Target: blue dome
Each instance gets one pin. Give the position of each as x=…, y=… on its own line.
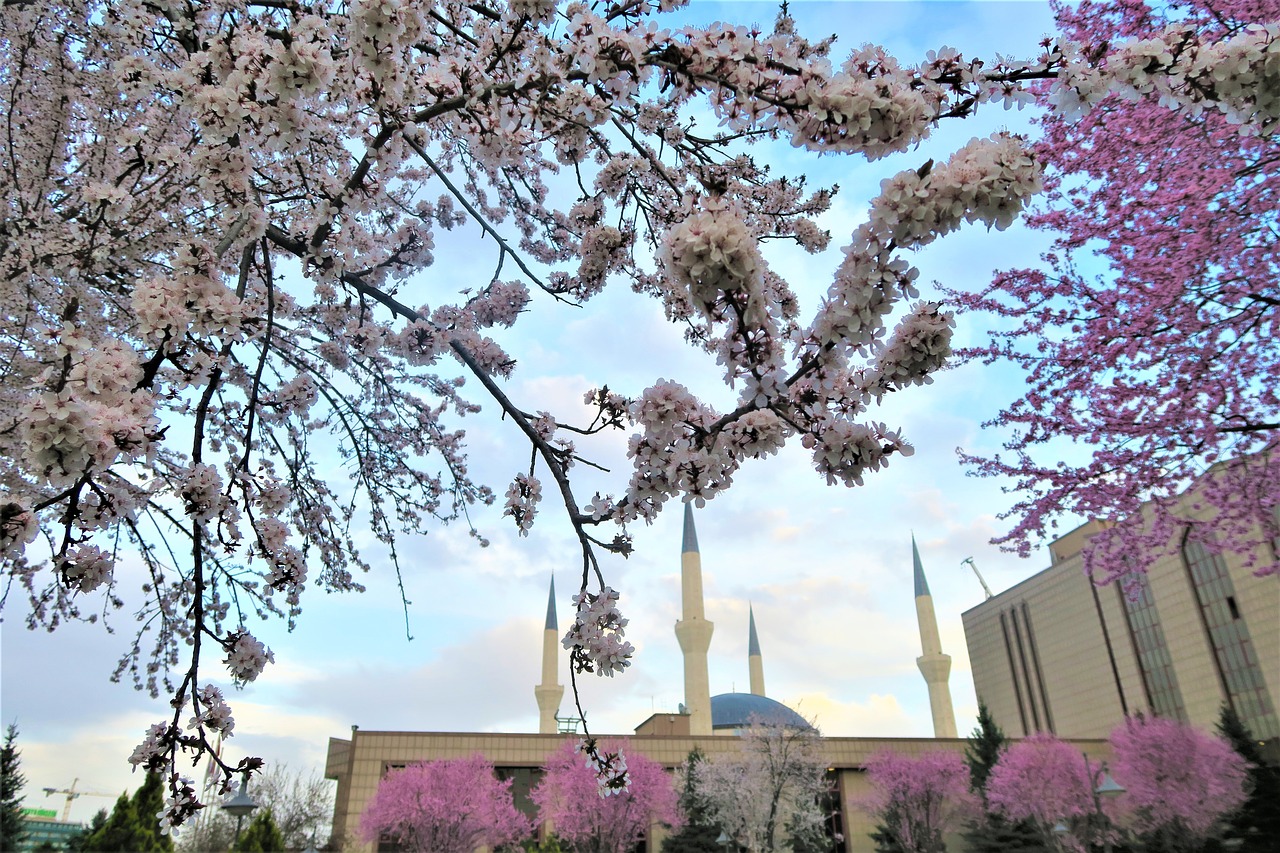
x=740, y=710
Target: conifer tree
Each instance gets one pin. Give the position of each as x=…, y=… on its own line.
x=148, y=802
x=79, y=843
x=883, y=838
x=262, y=836
x=699, y=833
x=119, y=834
x=132, y=826
x=990, y=832
x=12, y=828
x=1257, y=823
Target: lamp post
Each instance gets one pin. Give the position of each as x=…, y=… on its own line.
x=239, y=806
x=1102, y=785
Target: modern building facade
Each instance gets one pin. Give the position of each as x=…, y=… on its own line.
x=1057, y=654
x=46, y=832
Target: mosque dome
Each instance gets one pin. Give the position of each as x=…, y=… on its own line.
x=740, y=710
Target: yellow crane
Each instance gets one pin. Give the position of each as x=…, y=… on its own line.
x=72, y=793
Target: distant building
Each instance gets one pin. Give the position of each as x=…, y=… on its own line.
x=709, y=723
x=1057, y=654
x=45, y=831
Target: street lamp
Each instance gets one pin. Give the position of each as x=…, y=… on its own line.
x=1103, y=786
x=728, y=842
x=239, y=806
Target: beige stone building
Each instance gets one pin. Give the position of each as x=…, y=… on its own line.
x=709, y=723
x=358, y=762
x=1057, y=654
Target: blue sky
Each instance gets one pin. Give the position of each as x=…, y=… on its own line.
x=827, y=569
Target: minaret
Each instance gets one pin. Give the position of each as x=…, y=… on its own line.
x=754, y=661
x=549, y=692
x=694, y=632
x=934, y=665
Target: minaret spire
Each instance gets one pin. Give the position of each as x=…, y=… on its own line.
x=549, y=692
x=754, y=660
x=694, y=631
x=934, y=665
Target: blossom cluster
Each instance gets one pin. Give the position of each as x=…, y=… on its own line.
x=609, y=767
x=216, y=715
x=152, y=753
x=1238, y=75
x=712, y=255
x=595, y=641
x=246, y=656
x=18, y=527
x=522, y=501
x=179, y=806
x=86, y=567
x=90, y=411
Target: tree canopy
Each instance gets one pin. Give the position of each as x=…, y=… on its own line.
x=12, y=827
x=1148, y=336
x=133, y=825
x=218, y=238
x=447, y=805
x=916, y=799
x=595, y=821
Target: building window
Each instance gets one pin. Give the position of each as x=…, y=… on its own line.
x=523, y=781
x=1158, y=678
x=1233, y=651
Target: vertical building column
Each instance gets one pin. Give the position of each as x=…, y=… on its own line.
x=933, y=664
x=549, y=692
x=693, y=631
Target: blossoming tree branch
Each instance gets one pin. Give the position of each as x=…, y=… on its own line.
x=218, y=223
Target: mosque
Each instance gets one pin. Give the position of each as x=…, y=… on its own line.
x=712, y=724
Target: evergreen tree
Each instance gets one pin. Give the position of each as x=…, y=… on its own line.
x=884, y=840
x=133, y=826
x=1257, y=823
x=699, y=833
x=79, y=843
x=119, y=833
x=148, y=802
x=990, y=832
x=986, y=742
x=12, y=826
x=262, y=836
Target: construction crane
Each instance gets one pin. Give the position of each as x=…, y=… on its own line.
x=72, y=793
x=969, y=561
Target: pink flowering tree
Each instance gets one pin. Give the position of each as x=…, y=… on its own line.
x=218, y=238
x=1148, y=335
x=446, y=806
x=596, y=820
x=1043, y=780
x=916, y=800
x=1179, y=782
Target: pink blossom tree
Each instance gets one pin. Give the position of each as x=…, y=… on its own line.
x=1044, y=780
x=917, y=799
x=1148, y=335
x=445, y=806
x=218, y=238
x=593, y=821
x=1179, y=782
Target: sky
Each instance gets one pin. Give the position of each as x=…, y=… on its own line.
x=827, y=569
